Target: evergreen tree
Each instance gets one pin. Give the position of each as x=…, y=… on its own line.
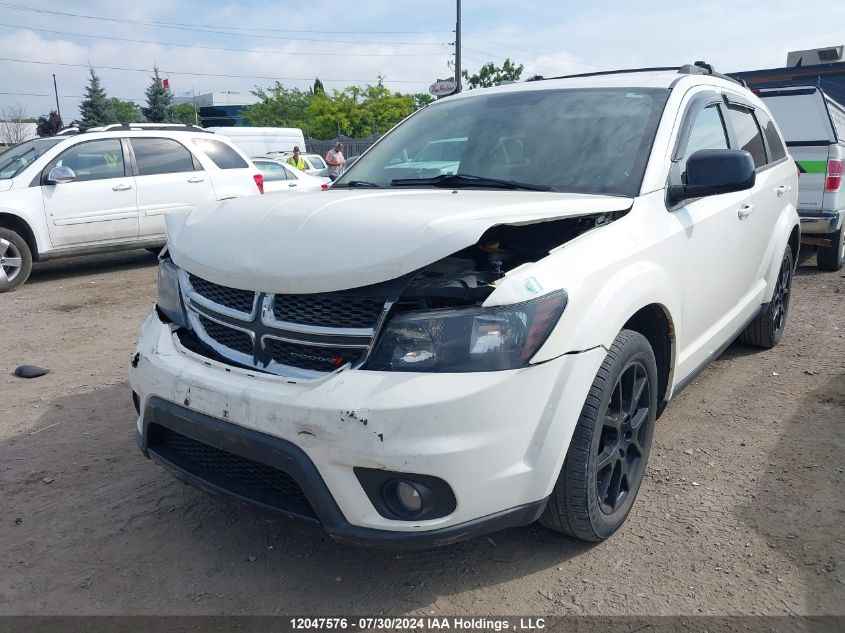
x=318, y=87
x=159, y=101
x=94, y=107
x=49, y=124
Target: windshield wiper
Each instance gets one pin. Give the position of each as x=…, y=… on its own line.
x=458, y=181
x=357, y=183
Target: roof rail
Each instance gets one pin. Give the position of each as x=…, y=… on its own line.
x=616, y=72
x=149, y=127
x=703, y=68
x=697, y=68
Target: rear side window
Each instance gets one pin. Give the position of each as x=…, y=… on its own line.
x=317, y=162
x=221, y=154
x=748, y=134
x=93, y=160
x=707, y=132
x=271, y=171
x=776, y=148
x=161, y=156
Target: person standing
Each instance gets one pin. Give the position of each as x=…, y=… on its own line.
x=335, y=161
x=296, y=160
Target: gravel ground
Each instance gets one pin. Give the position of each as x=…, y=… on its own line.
x=741, y=512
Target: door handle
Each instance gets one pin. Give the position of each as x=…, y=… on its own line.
x=782, y=189
x=121, y=188
x=196, y=179
x=292, y=184
x=745, y=210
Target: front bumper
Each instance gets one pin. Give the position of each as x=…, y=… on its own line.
x=823, y=223
x=498, y=439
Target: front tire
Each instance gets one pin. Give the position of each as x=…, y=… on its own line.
x=607, y=456
x=832, y=257
x=767, y=327
x=15, y=260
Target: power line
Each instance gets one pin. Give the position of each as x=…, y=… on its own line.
x=221, y=48
x=197, y=74
x=524, y=50
x=184, y=26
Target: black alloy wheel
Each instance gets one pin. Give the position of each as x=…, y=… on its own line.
x=620, y=453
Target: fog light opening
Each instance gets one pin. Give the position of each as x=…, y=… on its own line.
x=405, y=498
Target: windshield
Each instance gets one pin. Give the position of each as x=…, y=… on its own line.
x=13, y=161
x=575, y=140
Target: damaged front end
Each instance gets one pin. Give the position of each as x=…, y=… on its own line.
x=432, y=319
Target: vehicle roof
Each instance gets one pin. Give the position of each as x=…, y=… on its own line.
x=626, y=79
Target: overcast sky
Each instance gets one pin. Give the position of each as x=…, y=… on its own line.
x=406, y=42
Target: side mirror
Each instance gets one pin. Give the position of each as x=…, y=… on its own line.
x=60, y=176
x=714, y=171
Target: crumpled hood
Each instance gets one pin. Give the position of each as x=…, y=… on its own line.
x=337, y=239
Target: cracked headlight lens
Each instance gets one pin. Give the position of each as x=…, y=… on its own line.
x=467, y=339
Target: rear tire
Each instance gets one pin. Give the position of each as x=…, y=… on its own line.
x=607, y=456
x=15, y=260
x=832, y=257
x=767, y=327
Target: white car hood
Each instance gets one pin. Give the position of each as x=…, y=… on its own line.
x=338, y=239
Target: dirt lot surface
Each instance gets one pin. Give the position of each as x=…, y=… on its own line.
x=742, y=510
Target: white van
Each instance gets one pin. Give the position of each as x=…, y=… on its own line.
x=258, y=141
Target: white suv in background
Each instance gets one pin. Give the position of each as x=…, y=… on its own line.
x=413, y=358
x=109, y=190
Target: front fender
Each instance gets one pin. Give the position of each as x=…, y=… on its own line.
x=598, y=310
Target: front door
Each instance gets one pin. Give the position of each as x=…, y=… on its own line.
x=99, y=205
x=711, y=236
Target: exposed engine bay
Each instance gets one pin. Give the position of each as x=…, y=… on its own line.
x=469, y=276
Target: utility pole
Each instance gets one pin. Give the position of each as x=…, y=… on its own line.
x=56, y=91
x=458, y=50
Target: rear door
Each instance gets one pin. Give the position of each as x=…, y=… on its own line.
x=232, y=174
x=170, y=180
x=771, y=192
x=100, y=205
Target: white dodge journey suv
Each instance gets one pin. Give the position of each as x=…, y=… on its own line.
x=108, y=189
x=423, y=354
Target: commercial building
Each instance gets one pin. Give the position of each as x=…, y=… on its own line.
x=219, y=109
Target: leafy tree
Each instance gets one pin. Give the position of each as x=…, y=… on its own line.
x=94, y=107
x=49, y=124
x=492, y=75
x=187, y=113
x=159, y=101
x=119, y=111
x=422, y=99
x=279, y=107
x=318, y=86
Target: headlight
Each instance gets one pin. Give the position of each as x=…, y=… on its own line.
x=169, y=298
x=467, y=339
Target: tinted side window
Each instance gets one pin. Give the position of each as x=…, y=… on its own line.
x=774, y=140
x=707, y=132
x=93, y=160
x=317, y=162
x=748, y=134
x=221, y=154
x=161, y=156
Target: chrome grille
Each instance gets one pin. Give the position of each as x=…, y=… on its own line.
x=329, y=310
x=297, y=336
x=237, y=340
x=232, y=298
